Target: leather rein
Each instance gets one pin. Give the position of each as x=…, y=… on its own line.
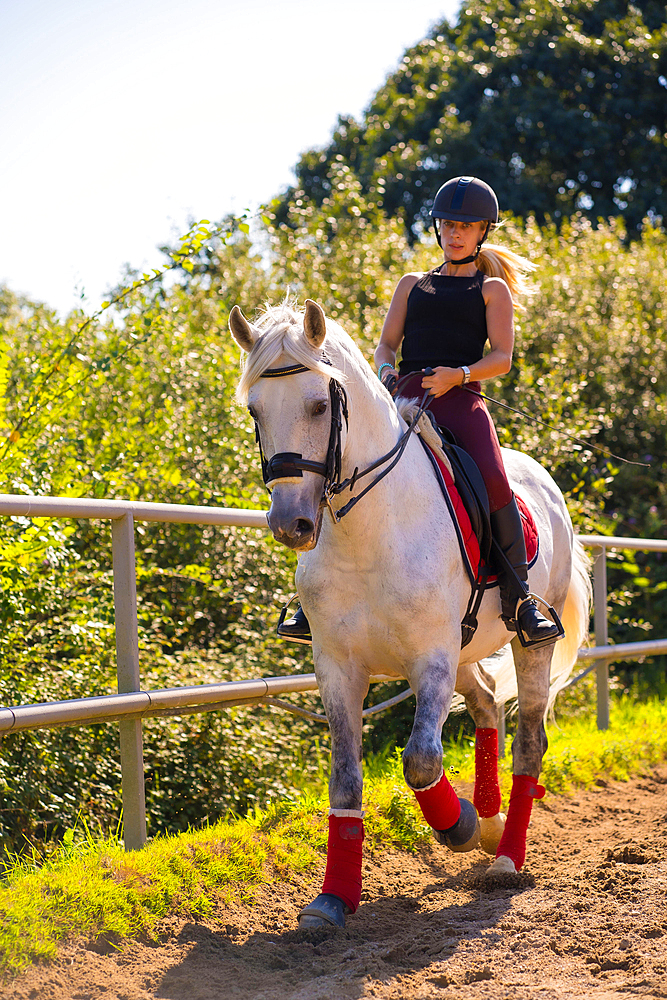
x=287, y=464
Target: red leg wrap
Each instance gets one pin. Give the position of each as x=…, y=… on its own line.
x=513, y=841
x=486, y=797
x=439, y=804
x=344, y=852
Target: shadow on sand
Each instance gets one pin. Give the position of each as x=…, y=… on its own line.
x=387, y=937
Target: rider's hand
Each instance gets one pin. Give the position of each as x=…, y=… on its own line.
x=442, y=380
x=390, y=380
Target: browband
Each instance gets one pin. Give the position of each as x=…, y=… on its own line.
x=279, y=372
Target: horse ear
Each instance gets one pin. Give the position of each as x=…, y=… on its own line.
x=314, y=324
x=242, y=332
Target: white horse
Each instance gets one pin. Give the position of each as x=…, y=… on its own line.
x=385, y=590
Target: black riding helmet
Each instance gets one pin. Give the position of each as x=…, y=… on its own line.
x=465, y=199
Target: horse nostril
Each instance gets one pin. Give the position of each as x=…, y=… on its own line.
x=303, y=526
x=293, y=531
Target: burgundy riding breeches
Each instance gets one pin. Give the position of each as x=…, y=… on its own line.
x=466, y=416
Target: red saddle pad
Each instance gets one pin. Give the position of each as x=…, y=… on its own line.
x=470, y=539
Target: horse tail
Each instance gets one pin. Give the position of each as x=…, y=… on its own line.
x=575, y=619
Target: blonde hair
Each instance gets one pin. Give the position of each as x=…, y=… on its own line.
x=500, y=262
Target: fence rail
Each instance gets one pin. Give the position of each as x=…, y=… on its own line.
x=131, y=705
x=601, y=651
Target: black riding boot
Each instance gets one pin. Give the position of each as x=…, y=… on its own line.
x=296, y=628
x=508, y=533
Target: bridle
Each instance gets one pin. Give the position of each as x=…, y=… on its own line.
x=287, y=463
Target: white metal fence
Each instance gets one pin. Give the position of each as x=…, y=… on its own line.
x=131, y=705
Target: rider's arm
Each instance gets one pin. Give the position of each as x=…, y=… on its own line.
x=500, y=329
x=392, y=331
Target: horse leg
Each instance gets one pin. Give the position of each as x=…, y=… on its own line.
x=477, y=687
x=342, y=689
x=528, y=749
x=453, y=820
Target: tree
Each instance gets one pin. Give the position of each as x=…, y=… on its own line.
x=562, y=107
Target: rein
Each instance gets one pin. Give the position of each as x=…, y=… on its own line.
x=285, y=463
x=559, y=430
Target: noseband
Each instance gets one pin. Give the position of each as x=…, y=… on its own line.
x=287, y=464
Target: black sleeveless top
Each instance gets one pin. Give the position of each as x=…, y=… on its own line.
x=445, y=323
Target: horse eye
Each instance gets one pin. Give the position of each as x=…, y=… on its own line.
x=319, y=408
x=252, y=413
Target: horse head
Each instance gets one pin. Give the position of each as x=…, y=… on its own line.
x=285, y=384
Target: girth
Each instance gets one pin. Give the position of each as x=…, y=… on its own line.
x=478, y=581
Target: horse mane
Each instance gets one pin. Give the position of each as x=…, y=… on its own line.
x=408, y=409
x=280, y=332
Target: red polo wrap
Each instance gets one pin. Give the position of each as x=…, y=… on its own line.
x=513, y=841
x=486, y=797
x=439, y=804
x=344, y=853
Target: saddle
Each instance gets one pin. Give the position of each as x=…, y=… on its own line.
x=466, y=496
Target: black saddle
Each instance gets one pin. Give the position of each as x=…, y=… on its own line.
x=471, y=487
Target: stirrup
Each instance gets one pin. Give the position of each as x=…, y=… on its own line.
x=523, y=638
x=301, y=633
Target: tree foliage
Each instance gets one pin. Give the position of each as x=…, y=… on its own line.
x=560, y=107
x=138, y=404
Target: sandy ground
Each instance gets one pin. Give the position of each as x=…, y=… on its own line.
x=586, y=918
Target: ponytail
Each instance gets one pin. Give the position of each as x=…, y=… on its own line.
x=500, y=262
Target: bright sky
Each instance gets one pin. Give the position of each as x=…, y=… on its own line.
x=122, y=119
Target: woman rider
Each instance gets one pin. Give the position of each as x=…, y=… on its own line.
x=442, y=321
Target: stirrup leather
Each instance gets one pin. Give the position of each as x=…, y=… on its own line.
x=513, y=623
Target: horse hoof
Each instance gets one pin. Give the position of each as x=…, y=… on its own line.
x=464, y=835
x=324, y=911
x=491, y=830
x=502, y=866
x=309, y=921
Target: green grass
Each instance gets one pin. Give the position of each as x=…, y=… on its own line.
x=94, y=889
x=579, y=753
x=91, y=888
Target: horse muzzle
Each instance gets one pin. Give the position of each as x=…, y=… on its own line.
x=296, y=525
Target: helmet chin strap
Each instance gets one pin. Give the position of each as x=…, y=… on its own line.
x=466, y=260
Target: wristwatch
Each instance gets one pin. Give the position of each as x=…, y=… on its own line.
x=466, y=374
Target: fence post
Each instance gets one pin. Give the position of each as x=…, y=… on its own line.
x=601, y=638
x=502, y=729
x=127, y=659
